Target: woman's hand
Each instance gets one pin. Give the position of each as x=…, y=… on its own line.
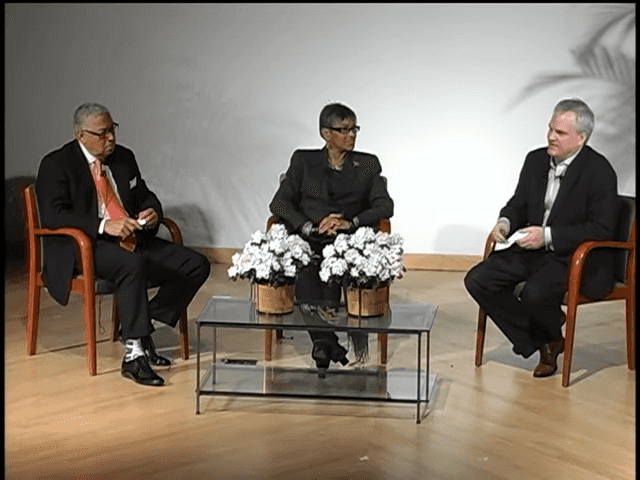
x=332, y=223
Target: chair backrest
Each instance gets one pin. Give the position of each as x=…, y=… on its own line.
x=14, y=215
x=624, y=232
x=31, y=224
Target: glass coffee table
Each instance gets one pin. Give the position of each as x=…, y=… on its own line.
x=381, y=383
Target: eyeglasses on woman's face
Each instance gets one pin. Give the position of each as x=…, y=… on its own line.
x=345, y=130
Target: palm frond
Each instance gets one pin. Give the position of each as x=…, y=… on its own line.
x=595, y=60
x=626, y=21
x=604, y=64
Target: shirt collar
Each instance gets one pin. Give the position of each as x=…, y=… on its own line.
x=90, y=158
x=561, y=167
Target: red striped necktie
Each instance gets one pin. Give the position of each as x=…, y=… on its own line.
x=111, y=203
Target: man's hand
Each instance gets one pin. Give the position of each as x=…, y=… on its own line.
x=333, y=222
x=121, y=228
x=148, y=218
x=499, y=232
x=533, y=240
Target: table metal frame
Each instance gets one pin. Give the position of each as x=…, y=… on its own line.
x=211, y=373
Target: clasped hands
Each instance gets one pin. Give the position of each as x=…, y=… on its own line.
x=333, y=222
x=533, y=239
x=126, y=226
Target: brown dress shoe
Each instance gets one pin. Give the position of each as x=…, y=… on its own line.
x=549, y=358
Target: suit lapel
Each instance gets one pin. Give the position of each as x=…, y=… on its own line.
x=543, y=179
x=81, y=164
x=119, y=173
x=570, y=179
x=79, y=160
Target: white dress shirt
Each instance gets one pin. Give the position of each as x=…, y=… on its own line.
x=102, y=212
x=556, y=173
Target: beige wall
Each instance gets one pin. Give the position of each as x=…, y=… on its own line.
x=214, y=98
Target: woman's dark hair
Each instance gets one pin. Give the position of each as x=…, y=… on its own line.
x=334, y=112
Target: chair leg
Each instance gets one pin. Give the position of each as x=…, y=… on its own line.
x=184, y=335
x=33, y=314
x=279, y=334
x=570, y=328
x=89, y=301
x=267, y=344
x=382, y=347
x=115, y=320
x=482, y=326
x=631, y=327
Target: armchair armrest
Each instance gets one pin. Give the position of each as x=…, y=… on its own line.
x=488, y=246
x=81, y=241
x=174, y=230
x=384, y=225
x=271, y=221
x=577, y=260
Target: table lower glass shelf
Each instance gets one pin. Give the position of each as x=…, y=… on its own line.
x=378, y=384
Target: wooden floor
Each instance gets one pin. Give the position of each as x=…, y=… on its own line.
x=493, y=422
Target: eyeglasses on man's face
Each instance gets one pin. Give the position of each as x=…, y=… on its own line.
x=102, y=134
x=345, y=130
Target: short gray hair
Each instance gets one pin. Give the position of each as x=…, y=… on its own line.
x=87, y=110
x=585, y=119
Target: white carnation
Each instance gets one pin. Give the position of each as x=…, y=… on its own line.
x=277, y=246
x=256, y=237
x=328, y=251
x=290, y=270
x=339, y=267
x=341, y=243
x=324, y=274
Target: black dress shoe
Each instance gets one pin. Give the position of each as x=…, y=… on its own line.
x=150, y=351
x=549, y=358
x=140, y=372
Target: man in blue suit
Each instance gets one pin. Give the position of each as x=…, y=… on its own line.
x=67, y=192
x=566, y=194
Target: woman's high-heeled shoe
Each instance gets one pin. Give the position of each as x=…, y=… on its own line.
x=338, y=354
x=321, y=356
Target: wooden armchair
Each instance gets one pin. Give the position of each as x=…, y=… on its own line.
x=85, y=283
x=383, y=225
x=624, y=289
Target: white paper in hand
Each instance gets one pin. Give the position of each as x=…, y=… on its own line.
x=510, y=241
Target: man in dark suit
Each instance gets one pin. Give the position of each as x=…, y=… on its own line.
x=68, y=196
x=566, y=194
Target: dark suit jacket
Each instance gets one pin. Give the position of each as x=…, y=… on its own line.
x=585, y=209
x=311, y=190
x=67, y=197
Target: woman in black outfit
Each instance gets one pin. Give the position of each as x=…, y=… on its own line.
x=325, y=192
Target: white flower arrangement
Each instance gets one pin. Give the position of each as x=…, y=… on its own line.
x=364, y=259
x=271, y=258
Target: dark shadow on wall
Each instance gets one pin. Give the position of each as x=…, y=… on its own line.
x=460, y=239
x=605, y=62
x=14, y=234
x=196, y=228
